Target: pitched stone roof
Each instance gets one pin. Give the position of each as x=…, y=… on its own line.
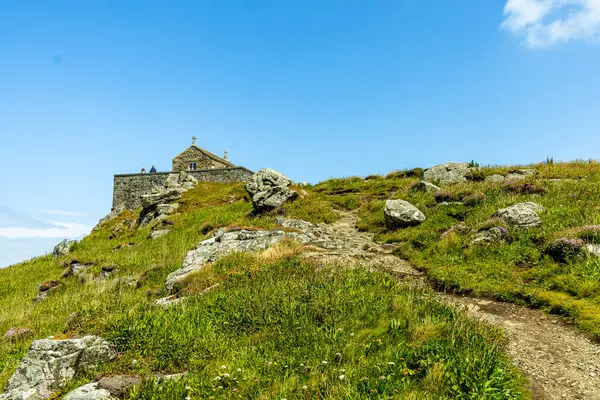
x=208, y=154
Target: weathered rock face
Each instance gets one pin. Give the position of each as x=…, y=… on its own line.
x=523, y=215
x=162, y=202
x=424, y=186
x=493, y=235
x=449, y=173
x=50, y=363
x=63, y=248
x=268, y=189
x=224, y=243
x=75, y=269
x=401, y=214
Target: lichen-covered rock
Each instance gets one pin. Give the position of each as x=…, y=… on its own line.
x=90, y=391
x=449, y=173
x=48, y=364
x=269, y=189
x=119, y=385
x=523, y=215
x=493, y=235
x=424, y=186
x=401, y=214
x=223, y=243
x=63, y=248
x=75, y=268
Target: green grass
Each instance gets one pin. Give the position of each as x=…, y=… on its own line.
x=282, y=328
x=518, y=271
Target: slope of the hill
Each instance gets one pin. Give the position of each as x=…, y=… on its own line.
x=274, y=327
x=527, y=267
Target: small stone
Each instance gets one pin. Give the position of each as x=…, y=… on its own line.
x=158, y=233
x=402, y=214
x=424, y=186
x=63, y=248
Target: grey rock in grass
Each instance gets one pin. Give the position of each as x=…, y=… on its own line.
x=494, y=235
x=424, y=186
x=49, y=364
x=167, y=209
x=269, y=189
x=63, y=248
x=223, y=243
x=90, y=391
x=449, y=173
x=114, y=213
x=158, y=233
x=120, y=385
x=15, y=334
x=75, y=269
x=401, y=214
x=593, y=250
x=495, y=178
x=523, y=215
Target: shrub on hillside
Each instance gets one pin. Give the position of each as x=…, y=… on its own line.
x=524, y=188
x=409, y=173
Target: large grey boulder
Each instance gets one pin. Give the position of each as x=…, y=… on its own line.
x=449, y=173
x=401, y=214
x=63, y=248
x=223, y=243
x=523, y=215
x=50, y=363
x=268, y=189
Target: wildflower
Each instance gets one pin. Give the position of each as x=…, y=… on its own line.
x=225, y=375
x=339, y=329
x=188, y=398
x=302, y=364
x=217, y=378
x=269, y=363
x=382, y=378
x=338, y=355
x=391, y=363
x=134, y=362
x=342, y=377
x=239, y=370
x=223, y=366
x=220, y=387
x=352, y=334
x=304, y=387
x=324, y=362
x=187, y=387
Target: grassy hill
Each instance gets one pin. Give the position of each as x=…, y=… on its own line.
x=278, y=327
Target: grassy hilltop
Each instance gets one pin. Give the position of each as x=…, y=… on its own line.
x=277, y=327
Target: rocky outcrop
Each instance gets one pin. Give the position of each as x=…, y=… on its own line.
x=63, y=248
x=114, y=213
x=50, y=363
x=522, y=215
x=424, y=186
x=223, y=243
x=162, y=202
x=75, y=268
x=449, y=173
x=401, y=214
x=269, y=189
x=494, y=235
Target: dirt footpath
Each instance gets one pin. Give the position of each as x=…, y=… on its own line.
x=559, y=362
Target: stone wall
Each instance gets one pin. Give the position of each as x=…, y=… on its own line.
x=128, y=188
x=194, y=154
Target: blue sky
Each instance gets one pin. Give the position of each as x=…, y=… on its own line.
x=314, y=89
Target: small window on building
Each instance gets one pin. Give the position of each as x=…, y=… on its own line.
x=192, y=166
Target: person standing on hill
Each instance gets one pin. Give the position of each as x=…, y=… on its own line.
x=152, y=169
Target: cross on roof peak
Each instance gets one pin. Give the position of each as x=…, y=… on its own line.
x=193, y=140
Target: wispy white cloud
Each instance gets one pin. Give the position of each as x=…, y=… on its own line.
x=548, y=22
x=61, y=212
x=56, y=230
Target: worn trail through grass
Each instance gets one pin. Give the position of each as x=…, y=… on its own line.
x=559, y=361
